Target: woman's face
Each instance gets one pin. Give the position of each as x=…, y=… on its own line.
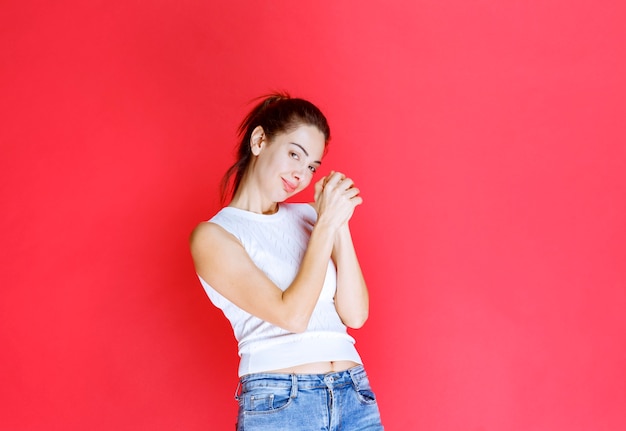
x=285, y=165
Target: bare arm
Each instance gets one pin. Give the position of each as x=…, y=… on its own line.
x=352, y=298
x=221, y=261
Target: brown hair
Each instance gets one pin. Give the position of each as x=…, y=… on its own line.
x=276, y=113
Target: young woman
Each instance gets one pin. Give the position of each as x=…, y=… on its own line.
x=287, y=277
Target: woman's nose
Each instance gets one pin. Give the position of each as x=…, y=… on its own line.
x=298, y=174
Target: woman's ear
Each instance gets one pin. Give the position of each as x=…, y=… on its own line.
x=257, y=140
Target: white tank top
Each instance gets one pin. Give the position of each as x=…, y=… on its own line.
x=276, y=244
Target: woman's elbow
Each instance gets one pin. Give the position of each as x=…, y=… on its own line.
x=295, y=324
x=356, y=321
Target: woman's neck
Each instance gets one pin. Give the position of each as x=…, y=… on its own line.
x=248, y=200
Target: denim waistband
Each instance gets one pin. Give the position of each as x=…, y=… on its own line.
x=337, y=379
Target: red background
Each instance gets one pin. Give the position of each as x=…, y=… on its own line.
x=488, y=139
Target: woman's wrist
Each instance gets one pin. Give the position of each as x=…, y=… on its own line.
x=327, y=224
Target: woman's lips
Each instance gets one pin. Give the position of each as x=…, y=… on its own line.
x=289, y=186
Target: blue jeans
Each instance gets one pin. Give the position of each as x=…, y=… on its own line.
x=307, y=402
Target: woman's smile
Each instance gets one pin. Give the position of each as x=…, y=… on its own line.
x=289, y=186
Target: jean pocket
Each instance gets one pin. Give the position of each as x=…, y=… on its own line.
x=363, y=390
x=265, y=399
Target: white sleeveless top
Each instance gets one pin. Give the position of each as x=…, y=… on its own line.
x=276, y=244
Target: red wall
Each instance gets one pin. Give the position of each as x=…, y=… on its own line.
x=488, y=139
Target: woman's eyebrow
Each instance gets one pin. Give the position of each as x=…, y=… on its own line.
x=306, y=153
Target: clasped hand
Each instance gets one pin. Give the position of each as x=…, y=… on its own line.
x=335, y=199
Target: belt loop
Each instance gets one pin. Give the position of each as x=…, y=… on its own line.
x=294, y=386
x=237, y=390
x=352, y=372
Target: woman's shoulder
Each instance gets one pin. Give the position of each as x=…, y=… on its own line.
x=218, y=228
x=207, y=234
x=305, y=210
x=300, y=213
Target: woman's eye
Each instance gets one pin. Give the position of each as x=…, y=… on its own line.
x=312, y=169
x=294, y=156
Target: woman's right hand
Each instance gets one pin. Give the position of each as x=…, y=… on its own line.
x=336, y=197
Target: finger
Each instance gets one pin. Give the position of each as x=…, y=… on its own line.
x=346, y=183
x=327, y=177
x=319, y=186
x=334, y=179
x=352, y=192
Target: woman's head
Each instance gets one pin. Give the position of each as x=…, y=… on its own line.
x=277, y=114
